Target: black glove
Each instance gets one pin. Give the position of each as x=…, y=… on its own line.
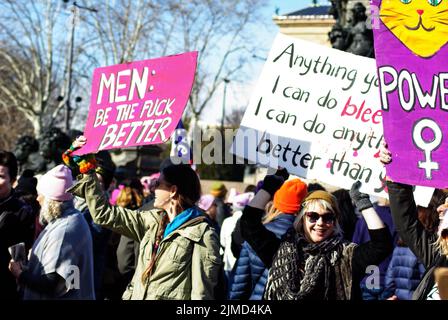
x=361, y=200
x=283, y=173
x=272, y=183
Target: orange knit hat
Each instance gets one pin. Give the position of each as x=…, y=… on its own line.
x=289, y=197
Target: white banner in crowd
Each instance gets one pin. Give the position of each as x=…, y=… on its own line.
x=316, y=111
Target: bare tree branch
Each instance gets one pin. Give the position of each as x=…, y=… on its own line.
x=28, y=83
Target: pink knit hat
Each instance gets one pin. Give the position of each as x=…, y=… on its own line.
x=241, y=200
x=232, y=194
x=145, y=181
x=206, y=202
x=114, y=195
x=54, y=183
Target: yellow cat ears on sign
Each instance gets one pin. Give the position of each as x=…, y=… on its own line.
x=421, y=25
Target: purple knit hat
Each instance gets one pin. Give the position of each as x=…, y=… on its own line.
x=206, y=202
x=242, y=200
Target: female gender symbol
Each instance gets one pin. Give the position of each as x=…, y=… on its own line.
x=427, y=146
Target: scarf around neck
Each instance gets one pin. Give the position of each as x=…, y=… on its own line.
x=181, y=218
x=302, y=270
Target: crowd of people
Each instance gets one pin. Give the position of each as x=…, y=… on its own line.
x=159, y=237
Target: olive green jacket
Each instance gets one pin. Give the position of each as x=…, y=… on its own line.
x=187, y=263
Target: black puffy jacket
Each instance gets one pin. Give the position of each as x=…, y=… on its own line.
x=416, y=237
x=16, y=225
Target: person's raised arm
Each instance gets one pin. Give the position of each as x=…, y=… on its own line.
x=365, y=206
x=405, y=216
x=124, y=221
x=380, y=244
x=264, y=242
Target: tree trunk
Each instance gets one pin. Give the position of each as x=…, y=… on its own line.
x=193, y=126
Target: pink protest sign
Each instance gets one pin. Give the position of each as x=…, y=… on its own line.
x=411, y=56
x=138, y=103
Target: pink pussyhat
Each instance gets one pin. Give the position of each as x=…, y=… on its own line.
x=114, y=195
x=54, y=183
x=232, y=194
x=145, y=181
x=206, y=202
x=149, y=181
x=242, y=200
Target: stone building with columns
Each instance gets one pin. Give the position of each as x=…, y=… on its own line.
x=314, y=22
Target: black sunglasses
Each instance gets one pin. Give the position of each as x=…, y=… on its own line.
x=328, y=217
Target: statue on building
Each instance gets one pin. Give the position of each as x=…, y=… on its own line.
x=351, y=33
x=338, y=10
x=53, y=142
x=360, y=36
x=43, y=154
x=28, y=156
x=338, y=37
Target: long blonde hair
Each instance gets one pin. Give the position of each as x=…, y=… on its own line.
x=271, y=214
x=130, y=198
x=442, y=245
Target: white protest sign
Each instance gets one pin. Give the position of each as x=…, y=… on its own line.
x=316, y=111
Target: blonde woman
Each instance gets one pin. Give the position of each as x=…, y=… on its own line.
x=312, y=261
x=250, y=273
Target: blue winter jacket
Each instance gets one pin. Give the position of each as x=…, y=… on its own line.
x=404, y=274
x=250, y=272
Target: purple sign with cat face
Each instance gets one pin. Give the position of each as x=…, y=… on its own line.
x=412, y=57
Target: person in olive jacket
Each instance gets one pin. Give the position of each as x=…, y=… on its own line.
x=179, y=251
x=431, y=248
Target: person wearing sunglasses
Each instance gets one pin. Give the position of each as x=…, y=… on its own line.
x=179, y=250
x=250, y=273
x=312, y=261
x=431, y=248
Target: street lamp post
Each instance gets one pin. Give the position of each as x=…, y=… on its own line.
x=68, y=81
x=226, y=81
x=68, y=84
